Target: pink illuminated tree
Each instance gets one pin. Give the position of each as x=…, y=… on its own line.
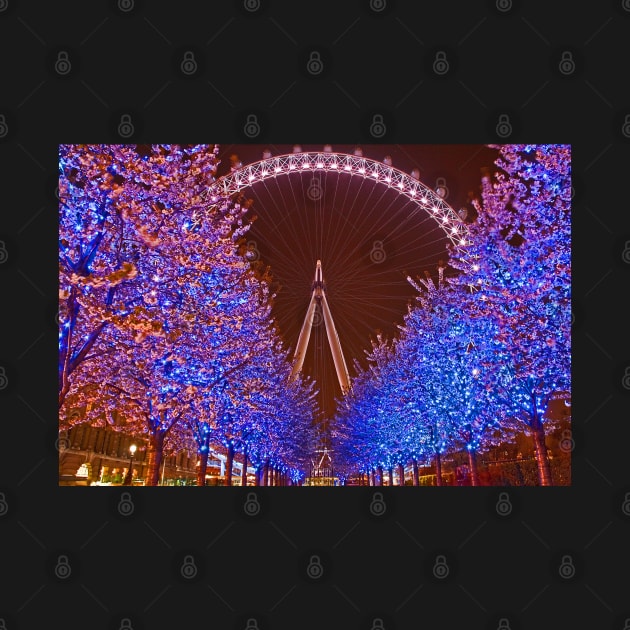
x=157, y=304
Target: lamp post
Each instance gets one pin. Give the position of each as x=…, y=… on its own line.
x=128, y=476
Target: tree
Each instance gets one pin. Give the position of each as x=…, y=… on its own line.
x=113, y=200
x=428, y=392
x=458, y=369
x=364, y=430
x=177, y=325
x=279, y=424
x=518, y=274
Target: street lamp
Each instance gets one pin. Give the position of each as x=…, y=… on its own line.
x=132, y=451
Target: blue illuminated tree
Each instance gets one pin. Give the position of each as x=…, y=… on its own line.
x=364, y=431
x=267, y=416
x=454, y=357
x=429, y=392
x=517, y=271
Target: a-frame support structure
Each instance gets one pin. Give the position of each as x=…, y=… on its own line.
x=321, y=468
x=319, y=297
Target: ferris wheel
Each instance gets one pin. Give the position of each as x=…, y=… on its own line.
x=367, y=223
x=383, y=173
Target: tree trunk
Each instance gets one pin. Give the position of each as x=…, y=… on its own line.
x=257, y=475
x=266, y=473
x=203, y=461
x=229, y=464
x=472, y=462
x=203, y=468
x=438, y=469
x=391, y=475
x=416, y=478
x=380, y=475
x=156, y=449
x=244, y=471
x=544, y=469
x=401, y=475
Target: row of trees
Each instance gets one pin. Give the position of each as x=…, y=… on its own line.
x=161, y=317
x=482, y=353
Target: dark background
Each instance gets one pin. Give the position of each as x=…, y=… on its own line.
x=369, y=62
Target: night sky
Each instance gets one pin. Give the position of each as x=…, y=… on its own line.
x=344, y=227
